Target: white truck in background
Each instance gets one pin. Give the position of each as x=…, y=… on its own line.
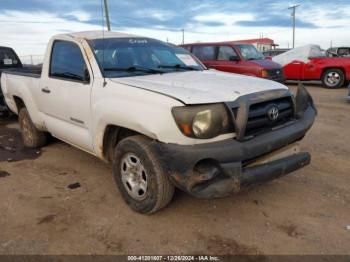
x=160, y=117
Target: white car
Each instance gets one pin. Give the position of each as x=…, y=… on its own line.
x=161, y=118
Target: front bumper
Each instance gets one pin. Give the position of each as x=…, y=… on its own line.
x=220, y=168
x=279, y=79
x=276, y=75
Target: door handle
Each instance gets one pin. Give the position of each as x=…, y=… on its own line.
x=46, y=90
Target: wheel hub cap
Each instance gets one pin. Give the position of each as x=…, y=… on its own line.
x=134, y=176
x=333, y=78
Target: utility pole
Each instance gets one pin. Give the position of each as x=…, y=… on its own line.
x=293, y=15
x=107, y=16
x=183, y=36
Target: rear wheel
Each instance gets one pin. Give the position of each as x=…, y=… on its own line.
x=144, y=185
x=333, y=78
x=4, y=114
x=32, y=137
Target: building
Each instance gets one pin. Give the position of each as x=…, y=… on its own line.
x=262, y=44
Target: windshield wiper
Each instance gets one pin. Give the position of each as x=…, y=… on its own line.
x=255, y=58
x=178, y=66
x=134, y=69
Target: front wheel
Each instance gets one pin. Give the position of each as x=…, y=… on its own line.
x=333, y=78
x=144, y=185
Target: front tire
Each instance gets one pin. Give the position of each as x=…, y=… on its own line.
x=32, y=137
x=144, y=185
x=333, y=78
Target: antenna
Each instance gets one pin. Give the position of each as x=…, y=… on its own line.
x=103, y=44
x=107, y=16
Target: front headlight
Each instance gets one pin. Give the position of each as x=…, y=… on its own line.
x=264, y=73
x=204, y=121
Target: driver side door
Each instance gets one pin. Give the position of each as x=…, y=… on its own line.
x=65, y=95
x=227, y=60
x=294, y=70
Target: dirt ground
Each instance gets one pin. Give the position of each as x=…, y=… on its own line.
x=304, y=213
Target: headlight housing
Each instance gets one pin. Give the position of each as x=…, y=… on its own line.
x=264, y=73
x=203, y=121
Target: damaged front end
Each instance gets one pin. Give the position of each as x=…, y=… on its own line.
x=260, y=152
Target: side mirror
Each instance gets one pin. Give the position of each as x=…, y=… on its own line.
x=268, y=57
x=234, y=58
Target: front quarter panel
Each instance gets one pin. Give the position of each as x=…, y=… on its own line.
x=143, y=111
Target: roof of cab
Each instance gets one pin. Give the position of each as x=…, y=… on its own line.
x=100, y=34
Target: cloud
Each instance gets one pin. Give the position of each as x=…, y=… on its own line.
x=276, y=21
x=29, y=32
x=224, y=18
x=81, y=16
x=158, y=14
x=28, y=26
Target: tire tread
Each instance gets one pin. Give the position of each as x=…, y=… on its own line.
x=39, y=137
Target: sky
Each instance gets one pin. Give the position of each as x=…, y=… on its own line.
x=27, y=25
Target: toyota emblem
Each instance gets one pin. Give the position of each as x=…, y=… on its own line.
x=273, y=113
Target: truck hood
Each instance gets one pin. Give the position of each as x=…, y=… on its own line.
x=266, y=64
x=198, y=87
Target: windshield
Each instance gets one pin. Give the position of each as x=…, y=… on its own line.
x=122, y=57
x=8, y=58
x=249, y=52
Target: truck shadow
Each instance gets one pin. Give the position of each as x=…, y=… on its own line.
x=11, y=143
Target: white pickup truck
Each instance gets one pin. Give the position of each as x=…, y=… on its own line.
x=160, y=116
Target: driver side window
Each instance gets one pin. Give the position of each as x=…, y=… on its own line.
x=226, y=53
x=67, y=62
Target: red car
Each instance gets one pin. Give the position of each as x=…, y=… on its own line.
x=311, y=63
x=237, y=58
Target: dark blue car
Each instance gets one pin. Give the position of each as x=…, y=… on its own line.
x=8, y=60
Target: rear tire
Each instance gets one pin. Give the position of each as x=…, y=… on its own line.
x=4, y=115
x=333, y=78
x=32, y=137
x=138, y=173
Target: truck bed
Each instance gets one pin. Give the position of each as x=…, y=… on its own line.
x=25, y=71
